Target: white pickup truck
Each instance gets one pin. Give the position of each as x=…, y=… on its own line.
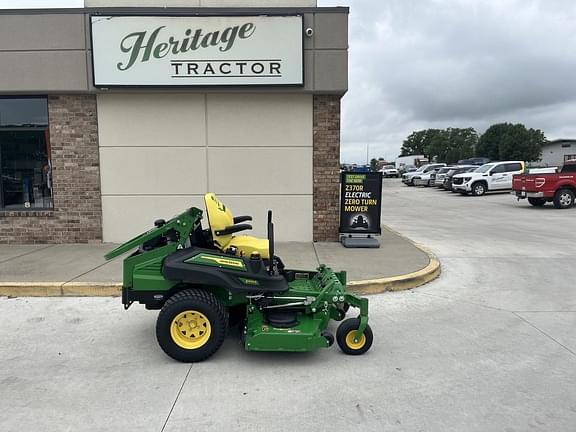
x=390, y=171
x=493, y=176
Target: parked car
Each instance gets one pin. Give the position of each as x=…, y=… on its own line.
x=426, y=178
x=478, y=161
x=406, y=168
x=361, y=169
x=495, y=176
x=437, y=178
x=447, y=183
x=390, y=171
x=540, y=188
x=408, y=178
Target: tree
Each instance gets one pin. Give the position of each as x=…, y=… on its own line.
x=374, y=164
x=489, y=143
x=460, y=144
x=419, y=142
x=447, y=145
x=507, y=141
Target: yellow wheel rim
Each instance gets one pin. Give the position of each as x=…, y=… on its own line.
x=355, y=345
x=190, y=329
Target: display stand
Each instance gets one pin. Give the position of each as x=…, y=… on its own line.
x=360, y=207
x=359, y=242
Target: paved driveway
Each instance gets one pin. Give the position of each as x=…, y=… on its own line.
x=490, y=346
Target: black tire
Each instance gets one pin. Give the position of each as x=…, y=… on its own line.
x=563, y=198
x=198, y=303
x=329, y=337
x=343, y=332
x=537, y=202
x=478, y=189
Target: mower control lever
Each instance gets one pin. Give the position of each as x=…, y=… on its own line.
x=233, y=229
x=238, y=219
x=271, y=269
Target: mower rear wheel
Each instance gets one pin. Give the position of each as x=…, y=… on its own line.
x=345, y=337
x=191, y=325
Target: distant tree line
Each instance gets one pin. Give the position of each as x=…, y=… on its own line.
x=502, y=141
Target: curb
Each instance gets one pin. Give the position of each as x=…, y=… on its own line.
x=401, y=282
x=60, y=289
x=114, y=289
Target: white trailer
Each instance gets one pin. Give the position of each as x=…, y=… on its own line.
x=414, y=160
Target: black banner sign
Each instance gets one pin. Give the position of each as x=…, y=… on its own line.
x=360, y=202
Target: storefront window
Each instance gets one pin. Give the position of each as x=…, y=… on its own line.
x=25, y=167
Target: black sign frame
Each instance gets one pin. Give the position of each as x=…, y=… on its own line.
x=359, y=214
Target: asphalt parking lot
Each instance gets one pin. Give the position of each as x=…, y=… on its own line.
x=489, y=346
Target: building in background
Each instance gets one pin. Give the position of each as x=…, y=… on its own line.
x=113, y=117
x=556, y=152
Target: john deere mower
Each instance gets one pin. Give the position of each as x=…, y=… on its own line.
x=202, y=279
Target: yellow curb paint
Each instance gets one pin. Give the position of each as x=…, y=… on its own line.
x=398, y=283
x=58, y=289
x=31, y=289
x=401, y=282
x=88, y=289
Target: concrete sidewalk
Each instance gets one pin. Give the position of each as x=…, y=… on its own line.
x=81, y=269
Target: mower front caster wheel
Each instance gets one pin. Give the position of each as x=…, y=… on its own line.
x=191, y=325
x=345, y=337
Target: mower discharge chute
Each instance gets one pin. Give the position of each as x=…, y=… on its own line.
x=201, y=279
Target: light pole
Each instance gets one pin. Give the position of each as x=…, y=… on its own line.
x=367, y=153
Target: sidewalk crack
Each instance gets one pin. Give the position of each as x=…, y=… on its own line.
x=545, y=334
x=27, y=253
x=86, y=272
x=176, y=400
x=316, y=253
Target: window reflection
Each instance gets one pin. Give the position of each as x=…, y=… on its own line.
x=25, y=166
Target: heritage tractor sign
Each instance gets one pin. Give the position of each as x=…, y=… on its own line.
x=197, y=51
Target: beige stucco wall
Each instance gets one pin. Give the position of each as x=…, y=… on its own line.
x=159, y=153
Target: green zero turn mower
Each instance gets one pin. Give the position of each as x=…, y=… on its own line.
x=203, y=280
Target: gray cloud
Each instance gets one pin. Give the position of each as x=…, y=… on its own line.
x=440, y=63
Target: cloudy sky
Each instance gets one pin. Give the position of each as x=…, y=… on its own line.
x=416, y=64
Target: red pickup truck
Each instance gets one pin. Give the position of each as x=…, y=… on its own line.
x=559, y=188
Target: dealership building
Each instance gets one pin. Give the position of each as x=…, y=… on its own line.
x=112, y=117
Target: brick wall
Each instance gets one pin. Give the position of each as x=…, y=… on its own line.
x=326, y=167
x=77, y=214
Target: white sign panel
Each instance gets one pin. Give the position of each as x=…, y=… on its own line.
x=197, y=51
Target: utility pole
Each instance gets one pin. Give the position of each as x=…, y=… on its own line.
x=367, y=153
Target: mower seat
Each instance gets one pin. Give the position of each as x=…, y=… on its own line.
x=223, y=225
